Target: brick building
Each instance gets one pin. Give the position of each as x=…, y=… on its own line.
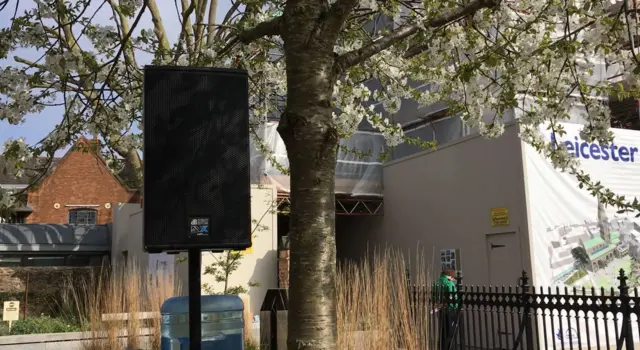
x=79, y=188
x=64, y=228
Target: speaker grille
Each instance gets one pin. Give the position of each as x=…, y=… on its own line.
x=196, y=159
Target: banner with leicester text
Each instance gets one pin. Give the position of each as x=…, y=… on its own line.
x=575, y=241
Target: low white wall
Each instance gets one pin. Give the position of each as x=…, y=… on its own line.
x=75, y=340
x=57, y=341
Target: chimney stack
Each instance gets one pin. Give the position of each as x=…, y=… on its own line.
x=96, y=143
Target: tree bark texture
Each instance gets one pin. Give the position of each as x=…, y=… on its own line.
x=312, y=312
x=309, y=133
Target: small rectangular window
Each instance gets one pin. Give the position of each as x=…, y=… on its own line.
x=83, y=217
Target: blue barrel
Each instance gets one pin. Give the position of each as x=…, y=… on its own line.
x=222, y=323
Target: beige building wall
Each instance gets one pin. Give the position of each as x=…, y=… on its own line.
x=126, y=240
x=442, y=199
x=259, y=263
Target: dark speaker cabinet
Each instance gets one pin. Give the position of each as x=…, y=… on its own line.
x=196, y=159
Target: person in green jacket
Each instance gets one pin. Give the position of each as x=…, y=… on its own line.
x=447, y=299
x=445, y=288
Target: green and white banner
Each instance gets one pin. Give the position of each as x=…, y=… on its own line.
x=574, y=240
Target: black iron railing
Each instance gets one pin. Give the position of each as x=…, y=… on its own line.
x=524, y=317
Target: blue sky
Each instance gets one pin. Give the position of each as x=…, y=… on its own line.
x=37, y=126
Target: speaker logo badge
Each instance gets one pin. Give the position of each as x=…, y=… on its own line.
x=198, y=226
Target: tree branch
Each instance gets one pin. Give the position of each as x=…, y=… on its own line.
x=129, y=55
x=213, y=7
x=338, y=14
x=158, y=28
x=29, y=63
x=226, y=19
x=186, y=33
x=360, y=55
x=267, y=28
x=228, y=16
x=415, y=50
x=63, y=21
x=201, y=7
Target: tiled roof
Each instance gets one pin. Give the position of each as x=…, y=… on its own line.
x=5, y=179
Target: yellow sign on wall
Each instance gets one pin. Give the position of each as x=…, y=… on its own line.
x=500, y=216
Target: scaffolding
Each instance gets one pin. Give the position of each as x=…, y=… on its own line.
x=358, y=170
x=345, y=206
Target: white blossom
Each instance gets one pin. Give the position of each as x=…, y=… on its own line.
x=19, y=153
x=45, y=8
x=131, y=4
x=531, y=56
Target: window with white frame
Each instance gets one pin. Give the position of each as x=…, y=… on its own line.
x=83, y=216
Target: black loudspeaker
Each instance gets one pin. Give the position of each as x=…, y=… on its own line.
x=196, y=159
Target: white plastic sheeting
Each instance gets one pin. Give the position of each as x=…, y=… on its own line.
x=358, y=172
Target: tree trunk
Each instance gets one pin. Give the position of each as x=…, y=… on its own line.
x=132, y=172
x=312, y=311
x=308, y=130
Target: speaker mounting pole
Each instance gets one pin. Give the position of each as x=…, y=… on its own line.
x=195, y=308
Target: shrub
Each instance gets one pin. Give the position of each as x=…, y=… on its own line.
x=124, y=290
x=4, y=329
x=373, y=306
x=37, y=303
x=43, y=324
x=38, y=289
